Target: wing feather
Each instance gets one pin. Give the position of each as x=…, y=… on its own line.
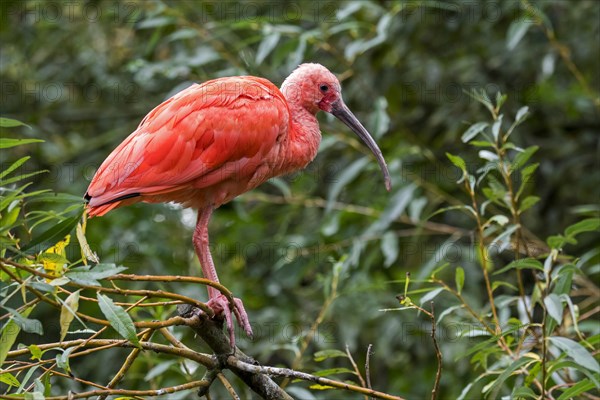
x=221, y=123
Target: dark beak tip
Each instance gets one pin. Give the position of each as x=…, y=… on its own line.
x=343, y=113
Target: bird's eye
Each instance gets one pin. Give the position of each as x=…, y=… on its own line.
x=324, y=88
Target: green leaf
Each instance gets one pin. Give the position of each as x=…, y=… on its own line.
x=447, y=312
x=51, y=236
x=62, y=360
x=14, y=166
x=481, y=143
x=524, y=263
x=521, y=114
x=522, y=158
x=36, y=352
x=575, y=351
x=358, y=47
x=325, y=354
x=587, y=225
x=267, y=45
x=9, y=219
x=6, y=143
x=473, y=131
x=482, y=97
x=557, y=241
x=502, y=241
x=564, y=363
x=118, y=318
x=496, y=127
x=580, y=387
x=439, y=269
x=159, y=369
x=282, y=185
x=524, y=392
x=459, y=277
x=380, y=120
x=564, y=279
x=67, y=313
x=457, y=161
x=430, y=295
x=526, y=174
x=389, y=247
x=9, y=379
x=343, y=179
x=155, y=22
x=528, y=202
x=28, y=325
x=52, y=197
x=517, y=364
x=11, y=123
x=499, y=219
x=554, y=307
x=466, y=208
x=90, y=276
x=397, y=205
x=334, y=371
x=489, y=156
x=516, y=32
x=10, y=331
x=500, y=99
x=18, y=178
x=497, y=284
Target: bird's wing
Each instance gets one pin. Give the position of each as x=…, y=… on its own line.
x=192, y=134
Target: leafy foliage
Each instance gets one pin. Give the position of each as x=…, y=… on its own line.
x=508, y=256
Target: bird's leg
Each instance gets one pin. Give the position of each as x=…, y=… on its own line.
x=216, y=300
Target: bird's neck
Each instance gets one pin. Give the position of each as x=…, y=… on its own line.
x=304, y=135
x=304, y=138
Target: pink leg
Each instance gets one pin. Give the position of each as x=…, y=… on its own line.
x=217, y=301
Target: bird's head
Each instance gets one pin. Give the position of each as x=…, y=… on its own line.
x=316, y=88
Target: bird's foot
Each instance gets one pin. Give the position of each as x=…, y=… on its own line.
x=221, y=305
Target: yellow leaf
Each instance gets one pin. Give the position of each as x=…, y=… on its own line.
x=67, y=313
x=320, y=387
x=55, y=265
x=86, y=251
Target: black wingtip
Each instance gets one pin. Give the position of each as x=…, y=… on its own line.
x=87, y=198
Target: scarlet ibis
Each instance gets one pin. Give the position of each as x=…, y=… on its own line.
x=214, y=141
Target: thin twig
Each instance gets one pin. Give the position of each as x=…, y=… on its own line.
x=204, y=359
x=228, y=386
x=127, y=364
x=149, y=293
x=368, y=366
x=438, y=354
x=356, y=370
x=172, y=339
x=290, y=373
x=125, y=392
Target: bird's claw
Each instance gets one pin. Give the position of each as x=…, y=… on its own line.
x=221, y=305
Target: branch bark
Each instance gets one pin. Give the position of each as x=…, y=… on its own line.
x=212, y=334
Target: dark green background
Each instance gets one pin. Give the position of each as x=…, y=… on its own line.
x=83, y=74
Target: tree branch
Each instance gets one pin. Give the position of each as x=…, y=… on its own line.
x=247, y=369
x=238, y=364
x=211, y=332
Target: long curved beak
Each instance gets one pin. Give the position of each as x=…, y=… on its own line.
x=343, y=113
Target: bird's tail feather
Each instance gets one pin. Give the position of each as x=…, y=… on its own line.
x=102, y=209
